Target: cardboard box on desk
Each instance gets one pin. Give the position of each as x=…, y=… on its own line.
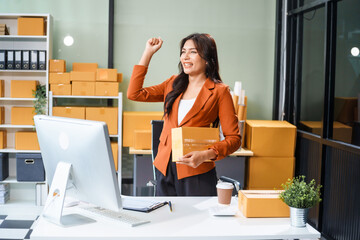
x=26, y=141
x=69, y=112
x=142, y=139
x=57, y=66
x=262, y=204
x=23, y=88
x=137, y=121
x=106, y=88
x=341, y=131
x=22, y=115
x=3, y=139
x=269, y=172
x=78, y=76
x=188, y=139
x=105, y=114
x=83, y=88
x=61, y=89
x=270, y=138
x=84, y=67
x=59, y=78
x=106, y=75
x=34, y=26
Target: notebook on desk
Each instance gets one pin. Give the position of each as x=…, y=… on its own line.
x=142, y=205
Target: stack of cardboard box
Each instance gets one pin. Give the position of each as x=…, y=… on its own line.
x=3, y=29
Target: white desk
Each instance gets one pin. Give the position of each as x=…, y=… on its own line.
x=189, y=220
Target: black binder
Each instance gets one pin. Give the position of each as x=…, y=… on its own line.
x=34, y=60
x=2, y=59
x=9, y=59
x=25, y=59
x=17, y=59
x=42, y=60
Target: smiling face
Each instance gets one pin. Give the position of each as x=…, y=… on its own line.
x=192, y=63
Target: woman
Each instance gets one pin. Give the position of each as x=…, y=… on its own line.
x=194, y=98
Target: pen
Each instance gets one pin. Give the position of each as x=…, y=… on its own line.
x=170, y=206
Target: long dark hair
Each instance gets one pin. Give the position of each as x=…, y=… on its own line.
x=206, y=47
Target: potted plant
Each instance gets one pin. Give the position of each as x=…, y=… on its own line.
x=300, y=197
x=40, y=99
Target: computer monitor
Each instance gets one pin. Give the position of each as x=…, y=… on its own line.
x=77, y=152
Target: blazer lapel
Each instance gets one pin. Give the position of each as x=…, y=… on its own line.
x=200, y=101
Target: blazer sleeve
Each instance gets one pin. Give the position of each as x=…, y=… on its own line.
x=229, y=125
x=137, y=92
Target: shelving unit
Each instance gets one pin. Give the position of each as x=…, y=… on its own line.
x=22, y=192
x=118, y=99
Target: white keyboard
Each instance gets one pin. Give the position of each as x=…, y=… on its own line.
x=120, y=216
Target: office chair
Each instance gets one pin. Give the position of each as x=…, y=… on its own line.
x=157, y=126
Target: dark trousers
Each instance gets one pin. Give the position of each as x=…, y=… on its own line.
x=198, y=185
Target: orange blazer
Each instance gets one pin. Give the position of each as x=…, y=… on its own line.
x=214, y=100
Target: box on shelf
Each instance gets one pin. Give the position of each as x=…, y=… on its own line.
x=3, y=139
x=104, y=114
x=137, y=121
x=188, y=139
x=57, y=66
x=114, y=149
x=29, y=167
x=142, y=139
x=83, y=88
x=79, y=76
x=106, y=75
x=270, y=138
x=341, y=132
x=4, y=166
x=22, y=115
x=84, y=67
x=34, y=26
x=26, y=141
x=120, y=77
x=69, y=112
x=23, y=88
x=269, y=172
x=2, y=115
x=262, y=204
x=60, y=89
x=59, y=78
x=106, y=88
x=2, y=88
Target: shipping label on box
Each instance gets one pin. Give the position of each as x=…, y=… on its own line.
x=22, y=115
x=82, y=76
x=84, y=67
x=69, y=112
x=59, y=78
x=109, y=115
x=23, y=88
x=270, y=138
x=106, y=88
x=106, y=75
x=142, y=139
x=60, y=89
x=137, y=121
x=3, y=139
x=269, y=172
x=34, y=26
x=262, y=204
x=57, y=66
x=26, y=141
x=83, y=88
x=188, y=139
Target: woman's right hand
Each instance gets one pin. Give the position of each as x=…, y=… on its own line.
x=152, y=46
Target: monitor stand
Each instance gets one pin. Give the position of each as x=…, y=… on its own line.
x=55, y=201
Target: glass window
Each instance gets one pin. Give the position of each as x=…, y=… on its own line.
x=347, y=73
x=312, y=83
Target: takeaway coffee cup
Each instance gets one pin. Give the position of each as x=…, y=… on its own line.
x=224, y=192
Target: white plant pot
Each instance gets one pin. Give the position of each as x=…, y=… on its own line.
x=298, y=216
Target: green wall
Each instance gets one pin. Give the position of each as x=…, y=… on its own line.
x=243, y=29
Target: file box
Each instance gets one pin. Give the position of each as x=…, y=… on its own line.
x=4, y=166
x=29, y=167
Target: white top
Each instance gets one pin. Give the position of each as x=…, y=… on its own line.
x=184, y=107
